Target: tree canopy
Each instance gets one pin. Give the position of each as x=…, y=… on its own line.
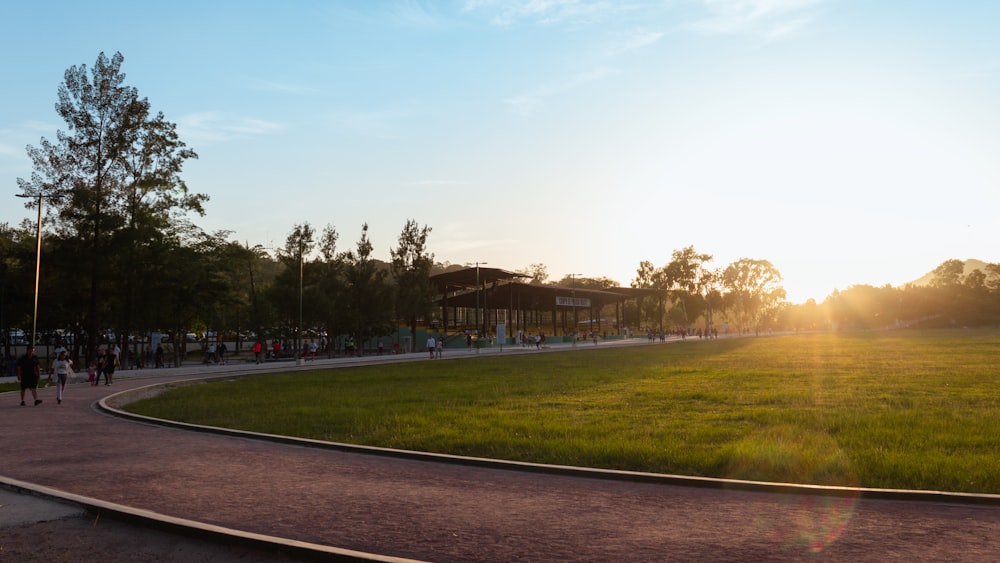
x=112, y=184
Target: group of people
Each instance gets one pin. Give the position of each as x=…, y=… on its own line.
x=309, y=350
x=106, y=364
x=435, y=347
x=28, y=371
x=216, y=353
x=526, y=340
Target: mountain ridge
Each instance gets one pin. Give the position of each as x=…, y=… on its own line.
x=970, y=265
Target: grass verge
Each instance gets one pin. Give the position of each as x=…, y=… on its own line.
x=913, y=410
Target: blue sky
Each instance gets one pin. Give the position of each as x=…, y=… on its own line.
x=846, y=141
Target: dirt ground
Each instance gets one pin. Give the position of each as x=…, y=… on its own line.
x=89, y=538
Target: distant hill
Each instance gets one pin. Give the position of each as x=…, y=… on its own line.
x=971, y=265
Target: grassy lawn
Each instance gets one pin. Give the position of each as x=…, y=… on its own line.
x=915, y=410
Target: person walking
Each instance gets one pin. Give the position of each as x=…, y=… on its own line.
x=112, y=364
x=431, y=346
x=257, y=348
x=28, y=374
x=440, y=347
x=102, y=362
x=61, y=368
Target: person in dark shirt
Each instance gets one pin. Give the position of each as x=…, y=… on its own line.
x=28, y=374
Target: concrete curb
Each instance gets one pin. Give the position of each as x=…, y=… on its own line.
x=111, y=403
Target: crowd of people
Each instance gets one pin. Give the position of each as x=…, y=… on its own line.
x=27, y=370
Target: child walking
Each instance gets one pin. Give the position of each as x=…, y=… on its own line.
x=61, y=367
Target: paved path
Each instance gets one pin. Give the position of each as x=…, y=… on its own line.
x=446, y=512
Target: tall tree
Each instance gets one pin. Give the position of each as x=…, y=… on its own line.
x=754, y=288
x=411, y=270
x=115, y=170
x=683, y=275
x=369, y=306
x=329, y=300
x=152, y=195
x=649, y=277
x=538, y=273
x=993, y=277
x=710, y=284
x=286, y=291
x=948, y=273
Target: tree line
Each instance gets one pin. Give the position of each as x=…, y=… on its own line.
x=953, y=296
x=122, y=255
x=747, y=296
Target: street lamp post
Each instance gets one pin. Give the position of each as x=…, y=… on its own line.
x=478, y=328
x=299, y=357
x=576, y=321
x=3, y=323
x=38, y=269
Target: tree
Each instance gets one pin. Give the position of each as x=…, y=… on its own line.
x=187, y=284
x=251, y=258
x=948, y=273
x=580, y=282
x=368, y=310
x=112, y=179
x=329, y=300
x=648, y=277
x=710, y=284
x=644, y=275
x=684, y=275
x=993, y=277
x=538, y=273
x=285, y=292
x=17, y=274
x=754, y=288
x=411, y=269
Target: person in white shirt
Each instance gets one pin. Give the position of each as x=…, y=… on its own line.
x=61, y=368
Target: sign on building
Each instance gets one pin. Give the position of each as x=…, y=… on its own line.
x=573, y=301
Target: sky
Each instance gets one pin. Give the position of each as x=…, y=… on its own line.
x=845, y=141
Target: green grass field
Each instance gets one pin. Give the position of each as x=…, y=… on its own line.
x=913, y=410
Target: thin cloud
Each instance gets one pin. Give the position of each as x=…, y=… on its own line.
x=635, y=40
x=43, y=126
x=413, y=14
x=419, y=14
x=528, y=103
x=440, y=183
x=523, y=105
x=216, y=127
x=377, y=124
x=512, y=12
x=285, y=88
x=769, y=18
x=9, y=151
x=14, y=141
x=452, y=239
x=461, y=244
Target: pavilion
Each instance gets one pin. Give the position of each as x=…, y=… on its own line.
x=480, y=299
